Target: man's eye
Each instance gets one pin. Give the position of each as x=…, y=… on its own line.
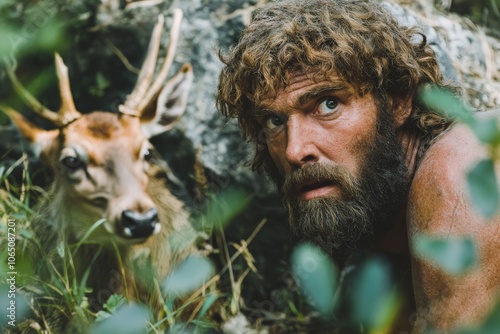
x=328, y=106
x=273, y=122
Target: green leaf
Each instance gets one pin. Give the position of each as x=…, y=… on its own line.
x=129, y=319
x=25, y=234
x=114, y=302
x=316, y=276
x=491, y=325
x=101, y=84
x=61, y=249
x=454, y=255
x=222, y=208
x=51, y=36
x=483, y=187
x=492, y=322
x=102, y=315
x=487, y=131
x=446, y=103
x=188, y=276
x=374, y=300
x=209, y=300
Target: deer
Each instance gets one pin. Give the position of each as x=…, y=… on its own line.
x=109, y=195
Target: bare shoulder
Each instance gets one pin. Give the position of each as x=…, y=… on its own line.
x=439, y=205
x=439, y=186
x=439, y=194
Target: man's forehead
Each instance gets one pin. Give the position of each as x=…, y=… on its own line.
x=300, y=86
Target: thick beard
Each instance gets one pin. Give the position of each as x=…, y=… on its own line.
x=368, y=206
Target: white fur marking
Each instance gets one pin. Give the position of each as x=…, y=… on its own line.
x=157, y=228
x=127, y=232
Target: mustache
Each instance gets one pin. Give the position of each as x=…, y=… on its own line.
x=320, y=172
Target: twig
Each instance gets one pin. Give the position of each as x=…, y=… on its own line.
x=121, y=56
x=216, y=277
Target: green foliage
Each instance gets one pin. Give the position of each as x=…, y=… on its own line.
x=454, y=255
x=375, y=302
x=101, y=83
x=316, y=275
x=491, y=324
x=111, y=306
x=446, y=103
x=40, y=27
x=189, y=276
x=130, y=318
x=223, y=207
x=207, y=304
x=483, y=187
x=484, y=12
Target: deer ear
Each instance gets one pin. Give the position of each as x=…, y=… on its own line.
x=41, y=141
x=170, y=104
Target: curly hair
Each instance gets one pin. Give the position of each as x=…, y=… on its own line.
x=359, y=41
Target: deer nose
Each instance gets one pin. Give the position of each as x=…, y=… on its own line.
x=140, y=225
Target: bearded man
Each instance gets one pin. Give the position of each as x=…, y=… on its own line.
x=327, y=90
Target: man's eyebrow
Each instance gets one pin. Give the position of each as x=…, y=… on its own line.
x=319, y=91
x=264, y=112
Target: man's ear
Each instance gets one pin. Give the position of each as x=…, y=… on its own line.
x=402, y=110
x=170, y=104
x=41, y=141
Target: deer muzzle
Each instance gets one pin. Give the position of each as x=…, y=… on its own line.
x=140, y=225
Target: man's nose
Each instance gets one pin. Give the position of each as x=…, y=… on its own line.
x=301, y=146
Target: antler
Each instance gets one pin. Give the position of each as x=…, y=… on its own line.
x=144, y=91
x=67, y=113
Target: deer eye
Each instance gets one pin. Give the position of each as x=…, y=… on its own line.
x=72, y=162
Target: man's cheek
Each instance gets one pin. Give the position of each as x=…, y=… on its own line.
x=277, y=153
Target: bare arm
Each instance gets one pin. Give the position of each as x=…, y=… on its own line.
x=439, y=205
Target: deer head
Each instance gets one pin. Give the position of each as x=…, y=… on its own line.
x=101, y=159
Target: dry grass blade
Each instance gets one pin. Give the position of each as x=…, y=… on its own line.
x=216, y=277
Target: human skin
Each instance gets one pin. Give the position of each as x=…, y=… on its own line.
x=328, y=122
x=313, y=136
x=439, y=205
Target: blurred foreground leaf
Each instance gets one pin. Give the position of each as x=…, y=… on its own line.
x=454, y=255
x=221, y=209
x=446, y=103
x=188, y=276
x=129, y=319
x=316, y=276
x=487, y=131
x=374, y=300
x=209, y=300
x=483, y=187
x=113, y=303
x=491, y=324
